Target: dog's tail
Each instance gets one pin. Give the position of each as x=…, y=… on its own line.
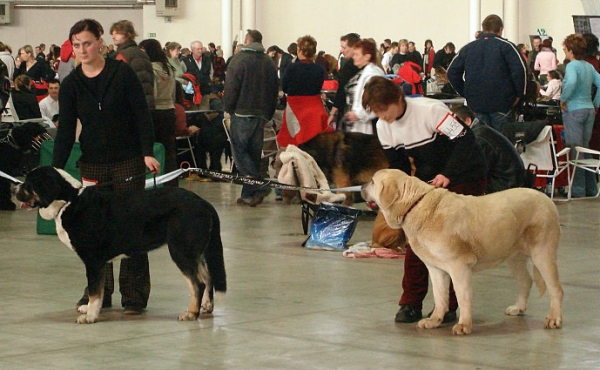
x=214, y=258
x=539, y=281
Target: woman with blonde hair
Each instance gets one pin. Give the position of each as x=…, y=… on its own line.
x=38, y=71
x=304, y=116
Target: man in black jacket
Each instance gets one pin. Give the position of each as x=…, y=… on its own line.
x=491, y=74
x=346, y=72
x=505, y=167
x=199, y=64
x=251, y=90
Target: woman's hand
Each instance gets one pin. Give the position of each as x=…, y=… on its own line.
x=193, y=130
x=152, y=164
x=440, y=181
x=563, y=106
x=332, y=116
x=351, y=117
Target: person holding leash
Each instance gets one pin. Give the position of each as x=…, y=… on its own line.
x=445, y=154
x=116, y=141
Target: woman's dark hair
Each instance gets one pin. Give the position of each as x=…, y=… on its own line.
x=547, y=43
x=179, y=99
x=380, y=93
x=154, y=50
x=592, y=44
x=308, y=45
x=90, y=25
x=171, y=46
x=368, y=47
x=23, y=83
x=555, y=75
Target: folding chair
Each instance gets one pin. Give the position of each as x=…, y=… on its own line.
x=226, y=127
x=550, y=163
x=586, y=164
x=186, y=147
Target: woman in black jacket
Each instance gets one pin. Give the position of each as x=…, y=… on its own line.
x=38, y=71
x=24, y=100
x=116, y=141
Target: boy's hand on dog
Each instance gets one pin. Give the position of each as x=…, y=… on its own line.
x=152, y=164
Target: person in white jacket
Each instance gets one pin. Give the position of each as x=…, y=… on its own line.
x=553, y=88
x=365, y=57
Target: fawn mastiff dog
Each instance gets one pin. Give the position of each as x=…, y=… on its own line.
x=456, y=235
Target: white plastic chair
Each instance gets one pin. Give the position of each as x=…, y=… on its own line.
x=542, y=153
x=585, y=164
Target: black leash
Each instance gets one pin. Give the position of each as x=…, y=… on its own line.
x=127, y=179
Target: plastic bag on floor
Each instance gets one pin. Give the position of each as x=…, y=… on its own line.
x=332, y=226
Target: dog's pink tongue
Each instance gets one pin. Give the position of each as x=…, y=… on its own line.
x=25, y=206
x=372, y=205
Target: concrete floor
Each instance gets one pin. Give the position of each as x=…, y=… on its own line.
x=288, y=307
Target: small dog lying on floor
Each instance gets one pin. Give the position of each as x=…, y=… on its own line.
x=456, y=235
x=103, y=226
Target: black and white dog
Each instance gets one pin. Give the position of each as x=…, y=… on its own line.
x=17, y=140
x=102, y=227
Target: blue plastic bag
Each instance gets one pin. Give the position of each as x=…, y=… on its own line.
x=332, y=227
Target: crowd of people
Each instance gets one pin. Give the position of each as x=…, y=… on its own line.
x=128, y=95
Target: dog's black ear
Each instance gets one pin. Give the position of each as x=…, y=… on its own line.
x=25, y=133
x=46, y=182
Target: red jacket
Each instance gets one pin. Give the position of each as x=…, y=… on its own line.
x=411, y=73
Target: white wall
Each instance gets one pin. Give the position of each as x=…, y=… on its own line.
x=283, y=21
x=51, y=26
x=554, y=16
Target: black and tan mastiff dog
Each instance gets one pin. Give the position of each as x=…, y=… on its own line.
x=105, y=226
x=347, y=158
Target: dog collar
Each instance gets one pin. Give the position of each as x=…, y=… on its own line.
x=415, y=203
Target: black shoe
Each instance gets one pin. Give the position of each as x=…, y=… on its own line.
x=133, y=310
x=450, y=316
x=408, y=314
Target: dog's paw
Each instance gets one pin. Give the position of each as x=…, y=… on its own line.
x=553, y=323
x=188, y=316
x=207, y=307
x=461, y=329
x=86, y=319
x=82, y=309
x=514, y=311
x=429, y=323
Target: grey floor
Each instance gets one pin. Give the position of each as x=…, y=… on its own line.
x=288, y=307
